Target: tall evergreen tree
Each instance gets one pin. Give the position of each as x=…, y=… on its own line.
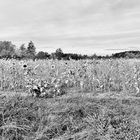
x=31, y=50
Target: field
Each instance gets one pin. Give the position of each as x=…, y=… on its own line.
x=70, y=100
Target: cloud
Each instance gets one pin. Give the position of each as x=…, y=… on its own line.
x=85, y=24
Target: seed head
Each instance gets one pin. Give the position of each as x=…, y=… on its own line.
x=52, y=67
x=24, y=66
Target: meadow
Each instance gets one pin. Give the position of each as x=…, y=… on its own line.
x=70, y=100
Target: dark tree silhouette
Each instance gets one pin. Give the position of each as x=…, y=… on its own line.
x=7, y=49
x=59, y=54
x=42, y=55
x=31, y=50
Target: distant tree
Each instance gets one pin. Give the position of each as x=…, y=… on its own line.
x=42, y=55
x=53, y=56
x=66, y=56
x=127, y=54
x=22, y=51
x=107, y=57
x=94, y=56
x=76, y=56
x=7, y=49
x=59, y=53
x=31, y=50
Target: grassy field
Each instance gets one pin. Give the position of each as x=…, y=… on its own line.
x=70, y=100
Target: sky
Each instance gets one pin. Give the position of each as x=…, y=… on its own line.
x=76, y=26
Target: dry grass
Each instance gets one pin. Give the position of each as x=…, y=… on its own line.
x=69, y=118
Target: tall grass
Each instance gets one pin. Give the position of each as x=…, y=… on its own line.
x=76, y=118
x=97, y=76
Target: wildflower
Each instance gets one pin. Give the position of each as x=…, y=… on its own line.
x=43, y=94
x=52, y=67
x=71, y=72
x=24, y=66
x=67, y=81
x=56, y=86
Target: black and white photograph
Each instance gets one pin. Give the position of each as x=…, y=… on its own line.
x=69, y=69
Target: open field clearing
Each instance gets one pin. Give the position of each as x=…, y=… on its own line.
x=70, y=100
x=70, y=118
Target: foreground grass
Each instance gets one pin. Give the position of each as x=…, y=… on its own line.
x=70, y=117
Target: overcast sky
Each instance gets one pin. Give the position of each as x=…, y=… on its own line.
x=78, y=26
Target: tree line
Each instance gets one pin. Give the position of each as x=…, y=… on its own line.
x=9, y=50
